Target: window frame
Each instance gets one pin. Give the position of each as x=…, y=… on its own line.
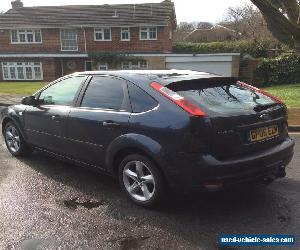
x=25, y=32
x=102, y=32
x=61, y=45
x=132, y=68
x=76, y=96
x=147, y=29
x=128, y=32
x=24, y=65
x=127, y=104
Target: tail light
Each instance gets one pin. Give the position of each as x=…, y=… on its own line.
x=274, y=98
x=178, y=99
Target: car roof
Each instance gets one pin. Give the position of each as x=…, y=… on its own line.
x=164, y=77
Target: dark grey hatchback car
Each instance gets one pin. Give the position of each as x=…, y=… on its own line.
x=154, y=130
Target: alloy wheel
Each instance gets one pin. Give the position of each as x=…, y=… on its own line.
x=12, y=138
x=139, y=181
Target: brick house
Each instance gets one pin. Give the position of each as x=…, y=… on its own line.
x=44, y=43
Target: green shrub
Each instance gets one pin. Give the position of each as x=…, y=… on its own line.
x=243, y=47
x=284, y=69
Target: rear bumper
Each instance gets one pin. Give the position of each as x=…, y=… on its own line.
x=189, y=172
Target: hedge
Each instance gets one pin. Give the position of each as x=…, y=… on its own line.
x=284, y=69
x=243, y=47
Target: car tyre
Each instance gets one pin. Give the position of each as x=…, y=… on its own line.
x=141, y=180
x=14, y=141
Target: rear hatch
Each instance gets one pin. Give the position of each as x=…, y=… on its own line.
x=243, y=120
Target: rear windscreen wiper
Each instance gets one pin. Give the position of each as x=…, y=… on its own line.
x=261, y=107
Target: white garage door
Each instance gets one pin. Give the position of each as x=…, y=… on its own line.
x=219, y=68
x=219, y=64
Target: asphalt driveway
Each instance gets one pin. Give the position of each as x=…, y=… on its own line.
x=48, y=204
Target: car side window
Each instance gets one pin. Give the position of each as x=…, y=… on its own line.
x=105, y=93
x=61, y=93
x=140, y=100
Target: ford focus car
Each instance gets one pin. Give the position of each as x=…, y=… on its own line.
x=156, y=130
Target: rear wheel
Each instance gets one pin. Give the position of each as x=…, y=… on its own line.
x=15, y=143
x=141, y=180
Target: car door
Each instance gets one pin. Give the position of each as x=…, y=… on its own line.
x=100, y=117
x=45, y=123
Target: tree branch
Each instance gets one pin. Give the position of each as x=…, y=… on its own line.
x=271, y=13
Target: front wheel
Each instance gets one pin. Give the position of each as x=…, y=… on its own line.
x=14, y=141
x=141, y=180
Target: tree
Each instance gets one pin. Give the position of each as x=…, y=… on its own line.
x=283, y=19
x=248, y=22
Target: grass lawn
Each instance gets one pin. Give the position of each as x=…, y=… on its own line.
x=20, y=88
x=289, y=94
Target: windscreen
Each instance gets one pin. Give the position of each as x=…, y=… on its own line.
x=223, y=98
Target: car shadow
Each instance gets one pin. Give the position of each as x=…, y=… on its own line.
x=198, y=218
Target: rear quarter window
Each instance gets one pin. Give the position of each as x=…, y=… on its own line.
x=140, y=100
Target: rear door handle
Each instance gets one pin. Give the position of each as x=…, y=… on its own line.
x=110, y=124
x=56, y=118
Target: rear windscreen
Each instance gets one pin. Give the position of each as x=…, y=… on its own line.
x=227, y=98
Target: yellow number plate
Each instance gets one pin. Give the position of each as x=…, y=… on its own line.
x=263, y=133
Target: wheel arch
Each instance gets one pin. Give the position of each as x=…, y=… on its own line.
x=8, y=119
x=133, y=144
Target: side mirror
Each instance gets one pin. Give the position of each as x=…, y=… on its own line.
x=29, y=100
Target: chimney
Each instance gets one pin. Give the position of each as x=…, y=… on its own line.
x=16, y=4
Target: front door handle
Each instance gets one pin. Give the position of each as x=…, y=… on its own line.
x=56, y=118
x=110, y=124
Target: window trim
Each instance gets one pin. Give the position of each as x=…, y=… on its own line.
x=125, y=40
x=148, y=34
x=19, y=42
x=61, y=45
x=102, y=32
x=24, y=66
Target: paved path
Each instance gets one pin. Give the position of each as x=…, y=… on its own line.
x=48, y=203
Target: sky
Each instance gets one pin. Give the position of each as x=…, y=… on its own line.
x=186, y=10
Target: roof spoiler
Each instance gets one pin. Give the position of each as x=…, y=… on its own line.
x=203, y=82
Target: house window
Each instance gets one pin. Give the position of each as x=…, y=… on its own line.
x=22, y=71
x=103, y=66
x=26, y=36
x=148, y=33
x=68, y=40
x=102, y=34
x=135, y=65
x=125, y=34
x=125, y=65
x=143, y=65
